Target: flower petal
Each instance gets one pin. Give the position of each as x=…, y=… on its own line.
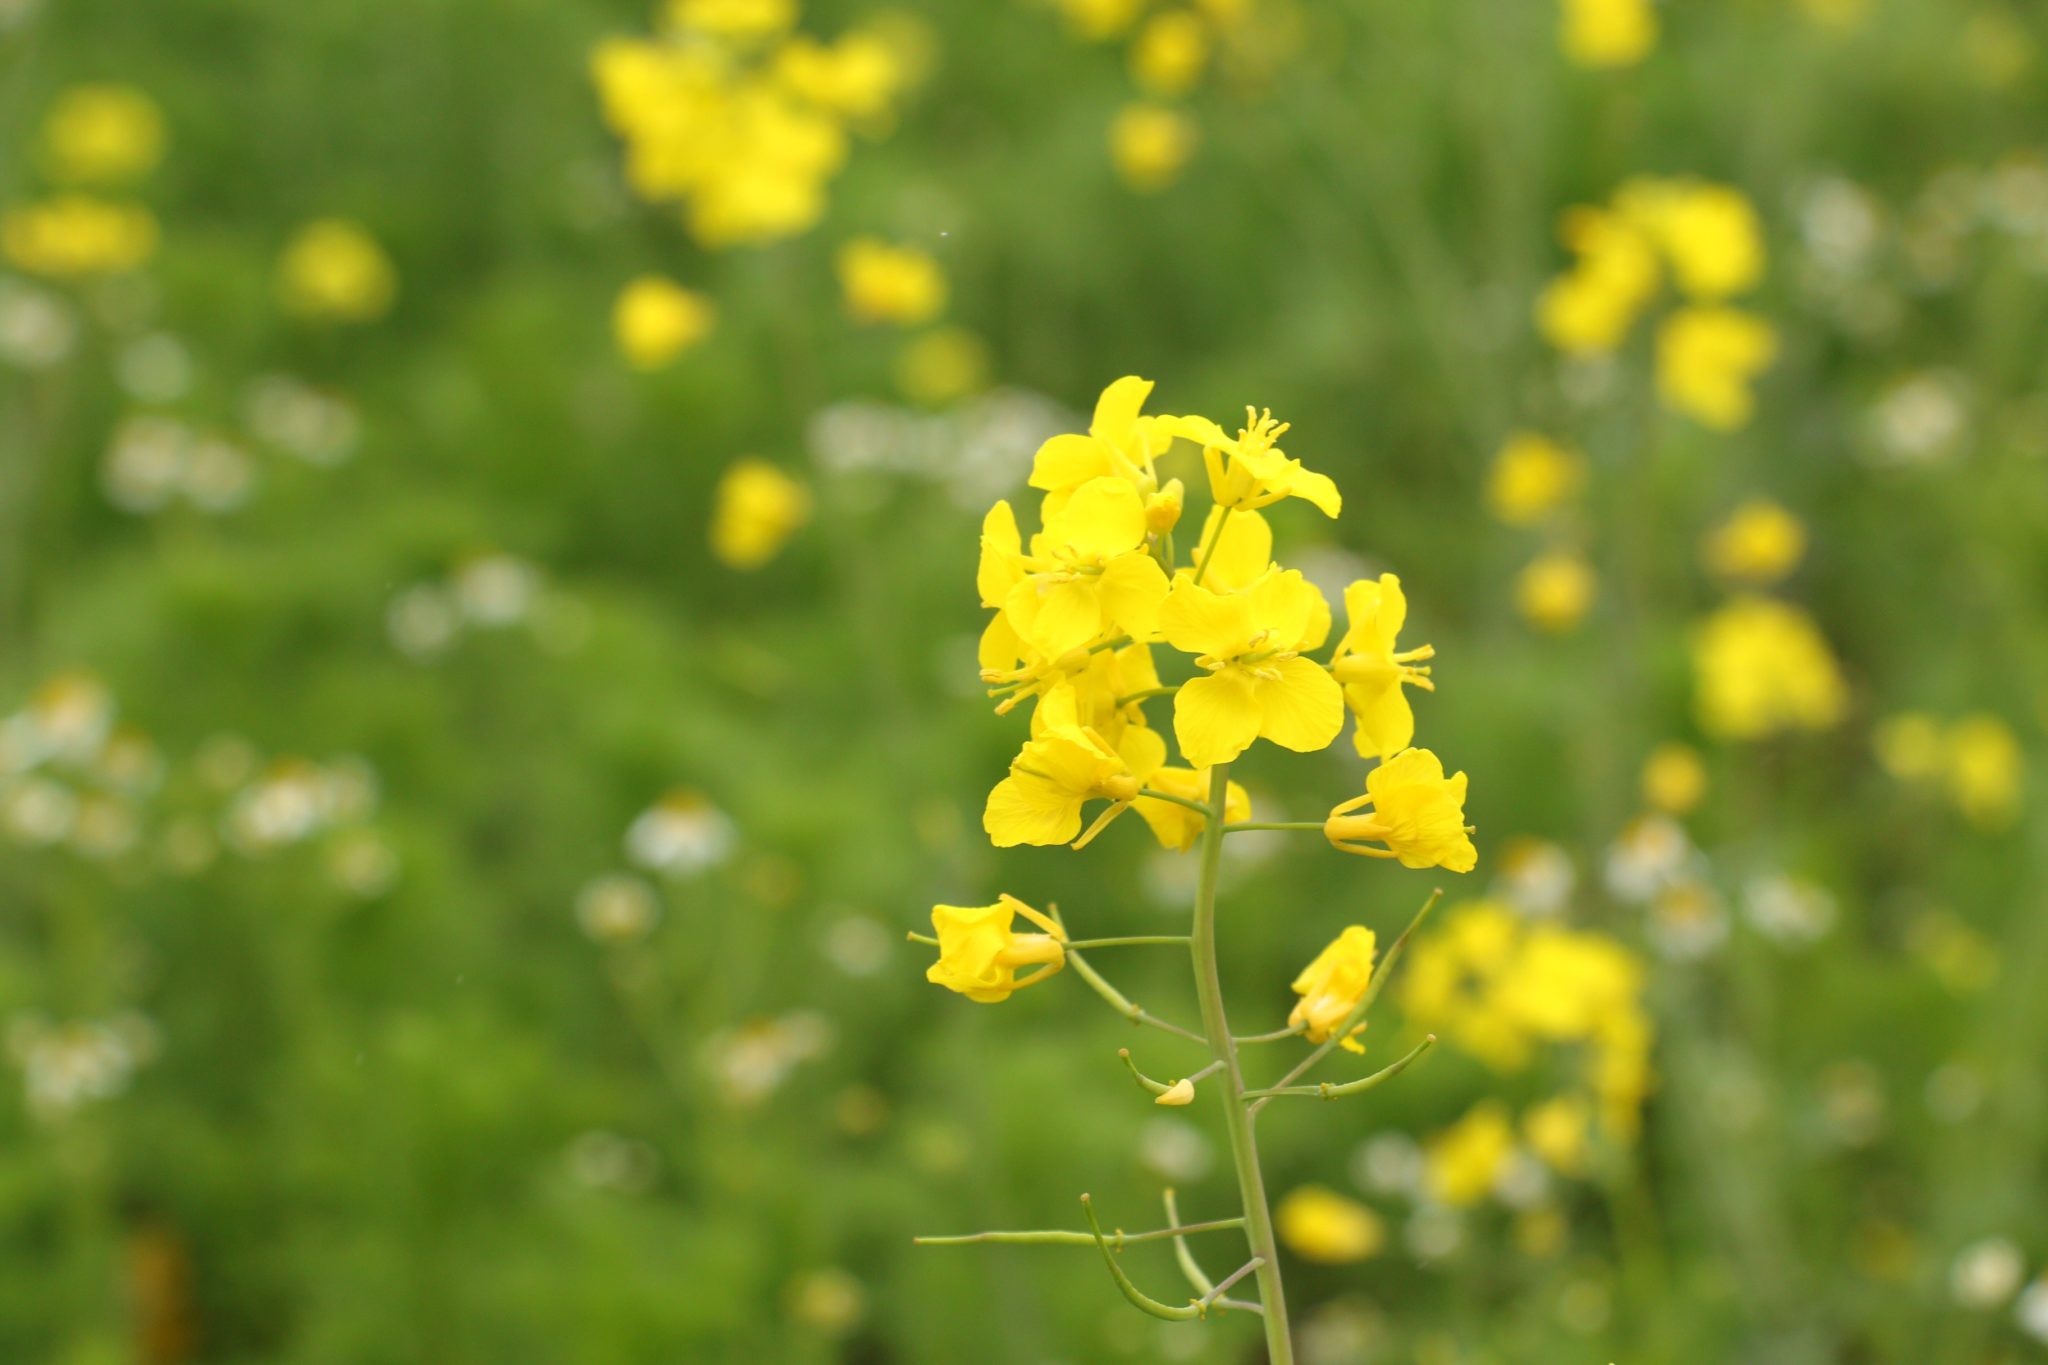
x=1303, y=710
x=1216, y=718
x=1024, y=809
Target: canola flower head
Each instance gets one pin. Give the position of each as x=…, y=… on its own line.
x=1089, y=572
x=1708, y=233
x=1986, y=771
x=1762, y=667
x=756, y=509
x=942, y=365
x=1602, y=34
x=980, y=951
x=1463, y=1161
x=77, y=236
x=1532, y=477
x=1318, y=1224
x=1250, y=471
x=333, y=270
x=1707, y=359
x=1169, y=53
x=1674, y=778
x=1257, y=684
x=1555, y=590
x=1374, y=670
x=1175, y=826
x=655, y=320
x=1331, y=986
x=1589, y=309
x=1054, y=775
x=102, y=134
x=1150, y=145
x=1410, y=811
x=1759, y=544
x=1121, y=442
x=886, y=283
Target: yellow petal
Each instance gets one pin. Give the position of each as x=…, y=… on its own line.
x=1143, y=751
x=1198, y=621
x=1068, y=461
x=1000, y=648
x=1131, y=590
x=1116, y=411
x=1024, y=809
x=1303, y=710
x=1104, y=517
x=1216, y=718
x=1054, y=617
x=1244, y=552
x=1000, y=545
x=1292, y=608
x=1318, y=489
x=1386, y=722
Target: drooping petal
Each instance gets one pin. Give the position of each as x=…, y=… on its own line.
x=1386, y=722
x=1200, y=430
x=1216, y=718
x=1303, y=709
x=1198, y=621
x=1318, y=489
x=1132, y=589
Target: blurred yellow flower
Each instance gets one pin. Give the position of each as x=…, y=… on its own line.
x=1555, y=590
x=1331, y=987
x=734, y=18
x=884, y=283
x=1056, y=774
x=1177, y=827
x=1099, y=20
x=102, y=135
x=1169, y=53
x=1256, y=684
x=1319, y=1224
x=1251, y=471
x=1532, y=477
x=858, y=77
x=1709, y=233
x=1836, y=14
x=758, y=508
x=1762, y=667
x=1557, y=1130
x=979, y=953
x=1909, y=746
x=1674, y=778
x=944, y=364
x=1986, y=770
x=1150, y=145
x=1759, y=544
x=1373, y=672
x=1417, y=813
x=1707, y=358
x=1463, y=1161
x=1608, y=33
x=333, y=269
x=1997, y=47
x=73, y=236
x=655, y=320
x=1589, y=309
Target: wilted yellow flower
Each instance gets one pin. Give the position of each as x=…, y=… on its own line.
x=1331, y=987
x=1759, y=544
x=1463, y=1161
x=1415, y=811
x=1909, y=745
x=334, y=269
x=1251, y=471
x=979, y=953
x=1762, y=666
x=1589, y=309
x=1709, y=233
x=1319, y=1224
x=942, y=365
x=758, y=508
x=1150, y=145
x=1057, y=773
x=1532, y=477
x=1089, y=571
x=1257, y=684
x=1608, y=33
x=73, y=236
x=1557, y=1130
x=1674, y=778
x=656, y=319
x=884, y=283
x=1177, y=827
x=1169, y=53
x=1707, y=358
x=1555, y=590
x=1986, y=770
x=102, y=135
x=1373, y=672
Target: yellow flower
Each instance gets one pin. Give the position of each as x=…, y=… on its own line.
x=1318, y=1224
x=1532, y=477
x=1763, y=667
x=1464, y=1160
x=1168, y=54
x=942, y=365
x=1177, y=827
x=656, y=319
x=1608, y=33
x=979, y=953
x=1557, y=1131
x=885, y=283
x=1674, y=779
x=1089, y=572
x=857, y=77
x=1252, y=471
x=1150, y=145
x=1416, y=812
x=1055, y=775
x=1555, y=590
x=1371, y=670
x=1909, y=745
x=1121, y=443
x=1759, y=544
x=1709, y=233
x=1331, y=987
x=733, y=18
x=1707, y=358
x=102, y=135
x=73, y=236
x=1589, y=309
x=333, y=269
x=1098, y=20
x=1257, y=684
x=758, y=508
x=1986, y=771
x=1237, y=551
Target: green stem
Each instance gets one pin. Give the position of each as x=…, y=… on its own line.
x=1079, y=1239
x=1171, y=799
x=1329, y=1091
x=1244, y=825
x=1244, y=1152
x=1121, y=1003
x=1202, y=558
x=1136, y=941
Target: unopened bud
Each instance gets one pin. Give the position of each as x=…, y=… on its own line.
x=1180, y=1092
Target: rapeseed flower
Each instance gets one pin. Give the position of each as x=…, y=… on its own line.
x=758, y=508
x=1986, y=771
x=944, y=364
x=1150, y=145
x=1372, y=670
x=1463, y=1161
x=1121, y=442
x=1258, y=685
x=334, y=270
x=1608, y=33
x=1708, y=233
x=1331, y=987
x=1088, y=573
x=1763, y=667
x=885, y=283
x=102, y=135
x=1175, y=826
x=73, y=236
x=1532, y=477
x=1251, y=471
x=1707, y=358
x=979, y=953
x=656, y=319
x=1169, y=53
x=1674, y=779
x=1555, y=590
x=1416, y=814
x=1319, y=1224
x=1757, y=545
x=1589, y=309
x=1056, y=774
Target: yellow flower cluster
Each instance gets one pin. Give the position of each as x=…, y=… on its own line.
x=1707, y=240
x=97, y=136
x=333, y=270
x=740, y=119
x=1976, y=761
x=1501, y=986
x=1763, y=667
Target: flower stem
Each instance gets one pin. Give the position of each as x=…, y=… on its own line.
x=1241, y=826
x=1206, y=553
x=1244, y=1152
x=1139, y=941
x=1061, y=1238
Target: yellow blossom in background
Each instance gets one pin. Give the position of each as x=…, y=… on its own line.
x=884, y=283
x=655, y=320
x=1150, y=144
x=1986, y=771
x=1608, y=33
x=1840, y=15
x=1532, y=477
x=758, y=508
x=102, y=135
x=1589, y=309
x=1708, y=233
x=1558, y=1130
x=73, y=236
x=857, y=78
x=1177, y=827
x=1761, y=667
x=1759, y=544
x=1100, y=20
x=1462, y=1162
x=1372, y=670
x=1554, y=591
x=1256, y=684
x=1169, y=53
x=1674, y=778
x=1909, y=745
x=944, y=364
x=333, y=269
x=1707, y=358
x=1055, y=775
x=1319, y=1224
x=1331, y=987
x=979, y=952
x=1997, y=48
x=1413, y=810
x=734, y=18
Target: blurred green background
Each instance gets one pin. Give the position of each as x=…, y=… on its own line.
x=448, y=913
